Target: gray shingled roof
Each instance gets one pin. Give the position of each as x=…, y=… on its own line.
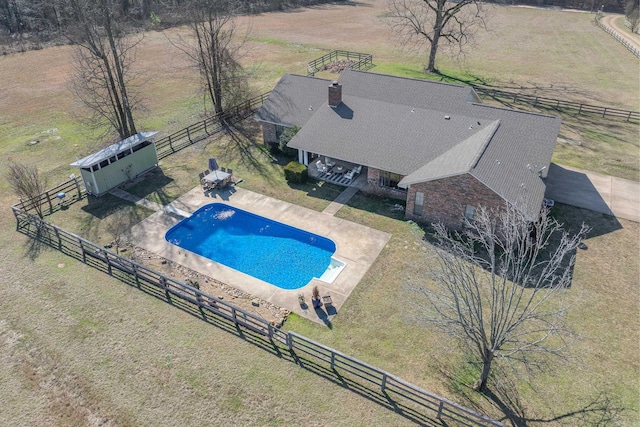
x=294, y=100
x=398, y=125
x=392, y=137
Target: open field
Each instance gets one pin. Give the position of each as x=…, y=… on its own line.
x=79, y=348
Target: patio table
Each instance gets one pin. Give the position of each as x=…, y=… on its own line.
x=216, y=177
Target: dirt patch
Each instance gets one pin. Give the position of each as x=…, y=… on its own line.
x=268, y=311
x=339, y=66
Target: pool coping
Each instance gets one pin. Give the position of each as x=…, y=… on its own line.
x=356, y=245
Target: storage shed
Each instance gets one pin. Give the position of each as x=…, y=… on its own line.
x=118, y=163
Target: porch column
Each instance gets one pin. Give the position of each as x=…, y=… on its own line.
x=302, y=157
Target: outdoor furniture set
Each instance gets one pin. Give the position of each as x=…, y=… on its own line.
x=331, y=167
x=219, y=178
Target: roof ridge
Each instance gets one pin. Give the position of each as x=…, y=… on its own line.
x=407, y=78
x=511, y=110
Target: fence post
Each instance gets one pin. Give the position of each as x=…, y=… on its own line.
x=75, y=179
x=188, y=134
x=49, y=200
x=106, y=259
x=383, y=385
x=440, y=408
x=84, y=253
x=604, y=112
x=289, y=341
x=59, y=239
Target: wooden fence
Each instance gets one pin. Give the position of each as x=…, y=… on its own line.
x=558, y=104
x=55, y=198
x=617, y=36
x=409, y=400
x=210, y=126
x=362, y=61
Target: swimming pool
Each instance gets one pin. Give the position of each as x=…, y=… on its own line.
x=284, y=256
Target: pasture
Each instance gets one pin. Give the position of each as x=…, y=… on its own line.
x=78, y=347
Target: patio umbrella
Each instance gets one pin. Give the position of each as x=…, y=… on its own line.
x=213, y=164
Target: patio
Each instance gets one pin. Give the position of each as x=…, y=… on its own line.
x=336, y=172
x=356, y=245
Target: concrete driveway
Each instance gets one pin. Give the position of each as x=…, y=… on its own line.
x=589, y=190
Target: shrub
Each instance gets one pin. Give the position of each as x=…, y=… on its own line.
x=284, y=139
x=296, y=172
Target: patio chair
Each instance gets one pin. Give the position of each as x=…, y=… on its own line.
x=207, y=172
x=321, y=167
x=350, y=174
x=201, y=175
x=223, y=169
x=230, y=171
x=358, y=169
x=330, y=163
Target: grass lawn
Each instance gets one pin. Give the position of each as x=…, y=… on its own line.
x=80, y=348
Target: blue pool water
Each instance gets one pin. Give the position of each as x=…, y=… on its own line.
x=284, y=256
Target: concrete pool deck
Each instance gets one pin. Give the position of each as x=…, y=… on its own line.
x=356, y=245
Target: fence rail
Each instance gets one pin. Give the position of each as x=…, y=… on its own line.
x=56, y=197
x=558, y=104
x=362, y=61
x=617, y=36
x=207, y=127
x=414, y=402
x=443, y=409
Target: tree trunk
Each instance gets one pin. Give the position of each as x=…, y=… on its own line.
x=437, y=32
x=431, y=67
x=487, y=359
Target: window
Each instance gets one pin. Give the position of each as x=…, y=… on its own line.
x=419, y=203
x=389, y=179
x=469, y=212
x=141, y=146
x=123, y=154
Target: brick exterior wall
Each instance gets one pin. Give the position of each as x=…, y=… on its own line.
x=269, y=133
x=445, y=200
x=373, y=186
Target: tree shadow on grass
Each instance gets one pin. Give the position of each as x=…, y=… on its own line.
x=598, y=411
x=502, y=394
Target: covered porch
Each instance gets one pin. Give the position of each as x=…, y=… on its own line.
x=327, y=169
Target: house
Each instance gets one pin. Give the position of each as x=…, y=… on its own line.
x=432, y=144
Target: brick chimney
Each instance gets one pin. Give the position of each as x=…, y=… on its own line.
x=335, y=94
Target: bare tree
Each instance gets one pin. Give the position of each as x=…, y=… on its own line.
x=103, y=63
x=118, y=224
x=215, y=51
x=500, y=286
x=632, y=13
x=434, y=23
x=27, y=183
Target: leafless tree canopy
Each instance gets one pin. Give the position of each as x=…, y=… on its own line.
x=434, y=24
x=215, y=51
x=500, y=287
x=27, y=183
x=103, y=64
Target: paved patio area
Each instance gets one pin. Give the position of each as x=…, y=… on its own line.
x=356, y=245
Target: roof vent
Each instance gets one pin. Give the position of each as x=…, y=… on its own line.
x=447, y=117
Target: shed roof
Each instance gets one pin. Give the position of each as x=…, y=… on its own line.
x=113, y=149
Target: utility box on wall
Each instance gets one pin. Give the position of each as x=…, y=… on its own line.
x=118, y=163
